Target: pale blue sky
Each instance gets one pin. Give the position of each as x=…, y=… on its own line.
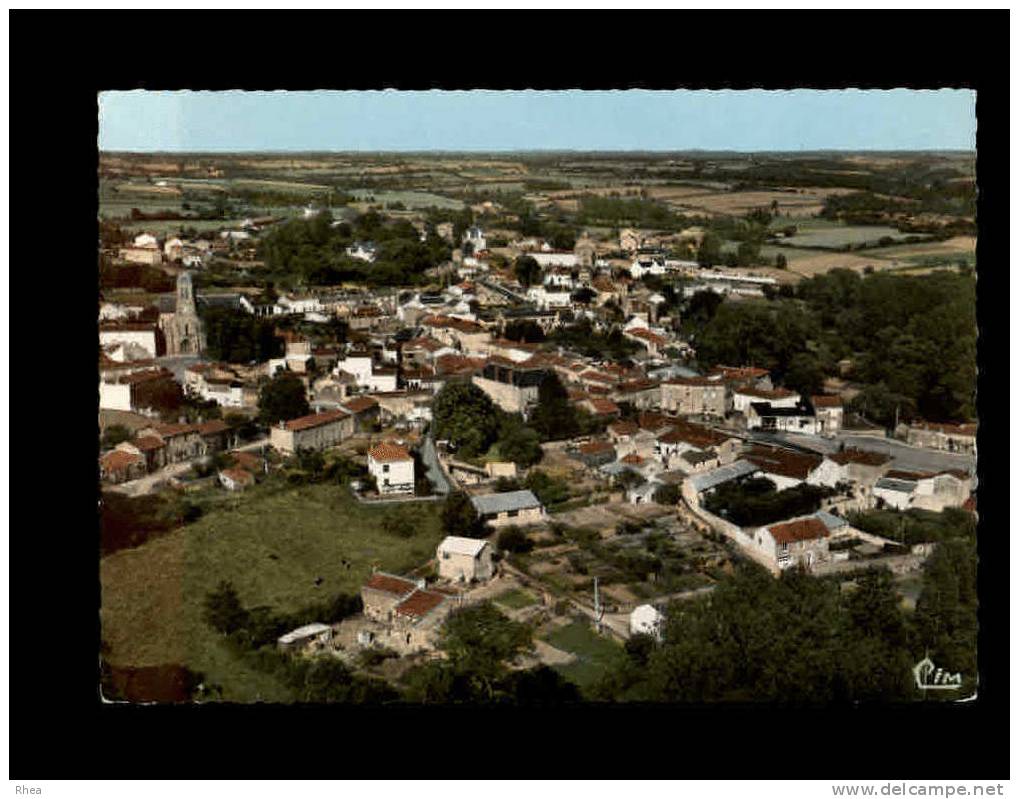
x=801, y=119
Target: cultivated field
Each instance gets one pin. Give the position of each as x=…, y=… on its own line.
x=834, y=238
x=793, y=203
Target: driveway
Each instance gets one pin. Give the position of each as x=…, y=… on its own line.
x=143, y=485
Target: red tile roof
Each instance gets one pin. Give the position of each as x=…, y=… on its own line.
x=654, y=421
x=420, y=603
x=800, y=530
x=209, y=428
x=360, y=404
x=861, y=456
x=389, y=584
x=693, y=381
x=739, y=372
x=387, y=452
x=624, y=428
x=826, y=401
x=246, y=460
x=633, y=458
x=315, y=420
x=461, y=325
x=602, y=407
x=239, y=475
x=765, y=393
x=171, y=430
x=148, y=443
x=595, y=448
x=647, y=335
x=118, y=459
x=695, y=435
x=773, y=460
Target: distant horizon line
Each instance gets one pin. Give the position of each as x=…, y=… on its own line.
x=528, y=151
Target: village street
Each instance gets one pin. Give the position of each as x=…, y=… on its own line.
x=144, y=485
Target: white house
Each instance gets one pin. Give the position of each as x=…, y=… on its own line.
x=744, y=396
x=895, y=493
x=362, y=250
x=646, y=620
x=464, y=559
x=650, y=266
x=392, y=467
x=555, y=258
x=475, y=236
x=802, y=541
x=795, y=419
x=545, y=299
x=357, y=364
x=297, y=305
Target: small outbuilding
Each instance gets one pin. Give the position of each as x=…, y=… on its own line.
x=309, y=635
x=464, y=559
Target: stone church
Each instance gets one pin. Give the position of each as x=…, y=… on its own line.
x=178, y=319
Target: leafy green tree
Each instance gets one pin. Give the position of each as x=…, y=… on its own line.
x=710, y=251
x=804, y=374
x=116, y=434
x=513, y=539
x=223, y=610
x=667, y=494
x=519, y=443
x=542, y=686
x=946, y=611
x=527, y=270
x=460, y=517
x=465, y=415
x=525, y=330
x=554, y=418
x=548, y=490
x=282, y=398
x=479, y=640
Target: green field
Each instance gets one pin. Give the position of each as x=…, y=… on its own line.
x=835, y=238
x=596, y=654
x=152, y=596
x=411, y=199
x=515, y=598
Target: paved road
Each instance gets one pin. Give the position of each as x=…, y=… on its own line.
x=434, y=471
x=143, y=485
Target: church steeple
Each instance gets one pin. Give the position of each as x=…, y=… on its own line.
x=185, y=294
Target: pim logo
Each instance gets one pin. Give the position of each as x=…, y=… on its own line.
x=930, y=678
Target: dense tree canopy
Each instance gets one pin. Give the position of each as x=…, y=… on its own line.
x=527, y=270
x=554, y=418
x=912, y=339
x=237, y=337
x=465, y=415
x=282, y=398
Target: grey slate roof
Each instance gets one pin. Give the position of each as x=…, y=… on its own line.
x=500, y=503
x=723, y=474
x=905, y=486
x=831, y=521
